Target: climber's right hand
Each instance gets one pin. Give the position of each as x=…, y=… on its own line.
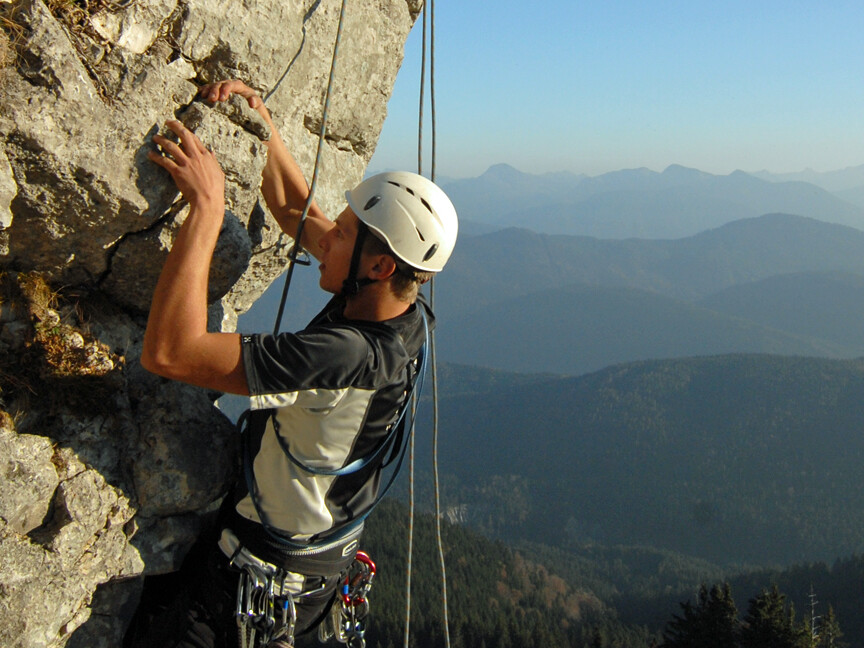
x=221, y=90
x=193, y=167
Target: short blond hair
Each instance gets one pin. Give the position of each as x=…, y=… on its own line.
x=405, y=282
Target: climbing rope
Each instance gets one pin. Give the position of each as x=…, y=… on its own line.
x=411, y=507
x=308, y=15
x=410, y=529
x=432, y=351
x=295, y=250
x=409, y=559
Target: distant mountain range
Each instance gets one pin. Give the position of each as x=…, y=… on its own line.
x=645, y=204
x=565, y=304
x=836, y=180
x=738, y=458
x=777, y=284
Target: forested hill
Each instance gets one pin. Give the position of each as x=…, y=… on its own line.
x=738, y=458
x=501, y=596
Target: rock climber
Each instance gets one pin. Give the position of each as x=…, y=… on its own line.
x=324, y=398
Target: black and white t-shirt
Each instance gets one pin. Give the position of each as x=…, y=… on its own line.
x=336, y=388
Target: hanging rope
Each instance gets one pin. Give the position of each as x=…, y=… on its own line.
x=410, y=529
x=432, y=348
x=415, y=404
x=432, y=351
x=409, y=561
x=446, y=624
x=295, y=250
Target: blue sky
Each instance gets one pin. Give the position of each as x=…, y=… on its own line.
x=600, y=86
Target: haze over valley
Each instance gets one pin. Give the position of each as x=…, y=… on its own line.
x=649, y=372
x=670, y=361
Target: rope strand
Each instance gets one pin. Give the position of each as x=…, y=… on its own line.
x=430, y=4
x=407, y=634
x=292, y=257
x=410, y=531
x=432, y=349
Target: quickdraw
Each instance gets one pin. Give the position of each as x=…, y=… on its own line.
x=347, y=621
x=266, y=612
x=257, y=602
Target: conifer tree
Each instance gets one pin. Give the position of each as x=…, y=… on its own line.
x=770, y=623
x=829, y=632
x=710, y=623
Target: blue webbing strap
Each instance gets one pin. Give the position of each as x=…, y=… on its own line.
x=359, y=464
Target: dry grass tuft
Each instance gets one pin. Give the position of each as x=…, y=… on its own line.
x=48, y=356
x=76, y=13
x=37, y=295
x=11, y=34
x=6, y=55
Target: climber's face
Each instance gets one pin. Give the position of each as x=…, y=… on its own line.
x=337, y=246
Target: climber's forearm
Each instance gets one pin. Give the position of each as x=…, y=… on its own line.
x=178, y=311
x=176, y=342
x=286, y=192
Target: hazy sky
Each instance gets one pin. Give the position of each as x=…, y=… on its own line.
x=598, y=86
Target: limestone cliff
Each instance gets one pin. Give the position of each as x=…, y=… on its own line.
x=107, y=469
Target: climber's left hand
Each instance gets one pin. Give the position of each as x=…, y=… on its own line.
x=193, y=166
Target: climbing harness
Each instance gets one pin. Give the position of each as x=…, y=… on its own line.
x=268, y=594
x=267, y=612
x=257, y=601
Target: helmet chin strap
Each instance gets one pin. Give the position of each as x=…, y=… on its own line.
x=352, y=285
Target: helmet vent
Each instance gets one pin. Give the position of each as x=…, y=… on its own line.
x=413, y=193
x=374, y=200
x=420, y=234
x=432, y=250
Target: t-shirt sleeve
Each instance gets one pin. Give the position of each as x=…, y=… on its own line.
x=277, y=367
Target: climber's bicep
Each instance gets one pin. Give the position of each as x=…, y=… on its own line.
x=212, y=360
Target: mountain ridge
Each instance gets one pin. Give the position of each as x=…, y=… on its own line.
x=679, y=201
x=523, y=269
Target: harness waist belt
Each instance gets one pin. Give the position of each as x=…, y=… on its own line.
x=323, y=560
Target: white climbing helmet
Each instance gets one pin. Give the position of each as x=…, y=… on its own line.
x=411, y=214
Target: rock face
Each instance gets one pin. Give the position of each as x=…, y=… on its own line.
x=108, y=470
